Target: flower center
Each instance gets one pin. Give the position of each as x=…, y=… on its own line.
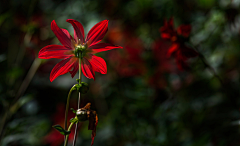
x=80, y=51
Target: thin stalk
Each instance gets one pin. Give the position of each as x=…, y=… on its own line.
x=80, y=73
x=67, y=107
x=204, y=61
x=79, y=100
x=36, y=63
x=69, y=128
x=8, y=112
x=206, y=64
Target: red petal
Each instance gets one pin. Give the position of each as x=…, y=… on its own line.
x=87, y=69
x=75, y=69
x=167, y=31
x=98, y=64
x=67, y=33
x=62, y=68
x=172, y=49
x=165, y=35
x=184, y=30
x=78, y=30
x=54, y=51
x=70, y=37
x=61, y=34
x=97, y=32
x=103, y=47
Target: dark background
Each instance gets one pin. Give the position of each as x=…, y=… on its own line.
x=144, y=99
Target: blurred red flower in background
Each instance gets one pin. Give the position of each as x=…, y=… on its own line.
x=69, y=52
x=178, y=49
x=163, y=64
x=127, y=62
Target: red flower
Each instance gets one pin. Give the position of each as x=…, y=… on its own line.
x=72, y=50
x=178, y=49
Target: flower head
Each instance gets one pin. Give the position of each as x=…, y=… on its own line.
x=74, y=50
x=178, y=49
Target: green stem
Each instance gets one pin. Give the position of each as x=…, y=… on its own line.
x=67, y=107
x=75, y=134
x=66, y=110
x=69, y=128
x=79, y=74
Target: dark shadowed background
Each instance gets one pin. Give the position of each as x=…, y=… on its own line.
x=144, y=99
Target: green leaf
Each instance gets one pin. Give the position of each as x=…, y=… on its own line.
x=73, y=110
x=61, y=130
x=74, y=120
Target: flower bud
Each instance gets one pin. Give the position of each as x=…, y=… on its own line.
x=81, y=115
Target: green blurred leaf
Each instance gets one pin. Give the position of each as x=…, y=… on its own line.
x=61, y=130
